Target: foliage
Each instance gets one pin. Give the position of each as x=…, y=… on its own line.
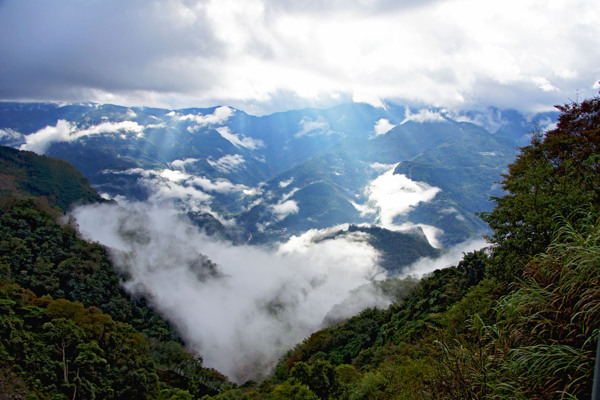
x=49, y=259
x=67, y=329
x=556, y=174
x=27, y=174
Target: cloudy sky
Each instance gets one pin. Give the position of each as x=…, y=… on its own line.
x=270, y=55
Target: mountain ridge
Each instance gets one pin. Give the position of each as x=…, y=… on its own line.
x=229, y=161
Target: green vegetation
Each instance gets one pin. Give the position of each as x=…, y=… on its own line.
x=519, y=320
x=67, y=329
x=25, y=174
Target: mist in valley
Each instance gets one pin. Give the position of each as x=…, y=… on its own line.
x=240, y=307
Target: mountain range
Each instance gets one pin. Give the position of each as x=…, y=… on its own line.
x=257, y=179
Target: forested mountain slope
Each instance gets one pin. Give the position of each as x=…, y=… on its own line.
x=25, y=174
x=67, y=329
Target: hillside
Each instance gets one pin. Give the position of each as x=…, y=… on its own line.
x=67, y=328
x=26, y=174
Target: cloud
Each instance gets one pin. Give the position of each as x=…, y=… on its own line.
x=310, y=127
x=423, y=116
x=379, y=167
x=228, y=163
x=169, y=184
x=8, y=133
x=180, y=164
x=544, y=84
x=491, y=119
x=218, y=185
x=383, y=126
x=42, y=139
x=65, y=131
x=282, y=210
x=219, y=116
x=451, y=257
x=243, y=314
x=174, y=176
x=284, y=184
x=392, y=195
x=240, y=140
x=171, y=189
x=184, y=54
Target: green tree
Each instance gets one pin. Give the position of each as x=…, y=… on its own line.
x=557, y=173
x=65, y=336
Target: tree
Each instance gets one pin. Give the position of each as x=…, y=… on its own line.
x=557, y=173
x=65, y=336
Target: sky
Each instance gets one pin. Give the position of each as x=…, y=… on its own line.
x=263, y=56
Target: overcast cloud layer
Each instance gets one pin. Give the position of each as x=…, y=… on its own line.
x=267, y=55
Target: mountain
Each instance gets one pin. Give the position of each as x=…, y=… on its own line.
x=290, y=171
x=68, y=329
x=25, y=174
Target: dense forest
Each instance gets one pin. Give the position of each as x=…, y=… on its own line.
x=518, y=320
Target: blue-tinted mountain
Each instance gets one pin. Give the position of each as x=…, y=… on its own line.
x=284, y=172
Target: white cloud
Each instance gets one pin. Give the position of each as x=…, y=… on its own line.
x=391, y=195
x=262, y=303
x=423, y=116
x=228, y=163
x=432, y=233
x=10, y=134
x=286, y=196
x=491, y=119
x=219, y=185
x=427, y=265
x=547, y=124
x=183, y=196
x=174, y=176
x=383, y=126
x=310, y=127
x=65, y=131
x=40, y=141
x=544, y=84
x=180, y=164
x=240, y=140
x=452, y=52
x=284, y=184
x=379, y=167
x=219, y=116
x=282, y=210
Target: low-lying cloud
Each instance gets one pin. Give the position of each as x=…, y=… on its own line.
x=285, y=208
x=310, y=127
x=240, y=140
x=383, y=126
x=255, y=305
x=391, y=195
x=423, y=116
x=228, y=163
x=427, y=265
x=65, y=131
x=219, y=116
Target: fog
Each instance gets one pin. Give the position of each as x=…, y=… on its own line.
x=258, y=303
x=245, y=312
